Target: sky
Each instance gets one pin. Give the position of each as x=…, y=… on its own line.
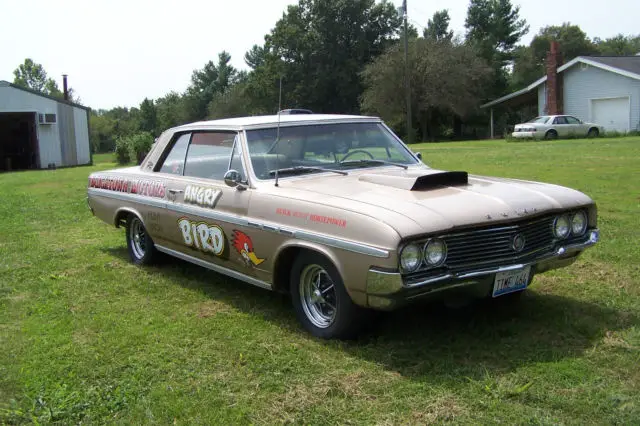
x=117, y=52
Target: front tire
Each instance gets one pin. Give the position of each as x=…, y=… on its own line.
x=551, y=135
x=142, y=250
x=593, y=133
x=320, y=300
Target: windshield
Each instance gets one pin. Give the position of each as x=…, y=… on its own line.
x=539, y=120
x=344, y=146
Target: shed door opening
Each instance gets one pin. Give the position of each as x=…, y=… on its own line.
x=18, y=141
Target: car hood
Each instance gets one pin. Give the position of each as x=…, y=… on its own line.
x=433, y=207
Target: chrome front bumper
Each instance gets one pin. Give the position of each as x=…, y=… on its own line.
x=387, y=290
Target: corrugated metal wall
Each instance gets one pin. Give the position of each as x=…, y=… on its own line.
x=83, y=150
x=65, y=143
x=15, y=100
x=67, y=130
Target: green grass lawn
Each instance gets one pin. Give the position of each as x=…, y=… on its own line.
x=87, y=337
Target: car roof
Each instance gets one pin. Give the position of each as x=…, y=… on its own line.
x=259, y=121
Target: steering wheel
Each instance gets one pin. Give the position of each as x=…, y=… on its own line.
x=358, y=151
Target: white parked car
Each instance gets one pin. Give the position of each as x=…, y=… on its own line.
x=555, y=126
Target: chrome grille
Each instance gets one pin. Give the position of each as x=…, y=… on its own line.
x=493, y=245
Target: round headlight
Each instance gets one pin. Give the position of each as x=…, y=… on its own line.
x=435, y=252
x=410, y=258
x=562, y=226
x=579, y=223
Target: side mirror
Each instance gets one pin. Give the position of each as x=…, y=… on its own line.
x=233, y=179
x=418, y=155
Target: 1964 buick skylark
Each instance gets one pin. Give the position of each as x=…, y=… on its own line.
x=338, y=212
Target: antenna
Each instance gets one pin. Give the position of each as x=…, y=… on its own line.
x=278, y=130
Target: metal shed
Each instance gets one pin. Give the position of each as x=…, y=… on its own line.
x=38, y=131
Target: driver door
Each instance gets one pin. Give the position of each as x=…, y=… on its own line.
x=202, y=212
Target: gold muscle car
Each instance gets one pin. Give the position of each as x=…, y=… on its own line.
x=336, y=211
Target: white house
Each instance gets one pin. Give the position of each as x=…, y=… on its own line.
x=39, y=131
x=599, y=89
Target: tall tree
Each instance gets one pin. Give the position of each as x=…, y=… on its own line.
x=255, y=57
x=618, y=45
x=170, y=111
x=148, y=117
x=494, y=28
x=206, y=83
x=529, y=63
x=438, y=27
x=447, y=80
x=319, y=48
x=33, y=76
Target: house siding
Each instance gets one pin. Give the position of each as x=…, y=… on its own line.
x=542, y=99
x=582, y=84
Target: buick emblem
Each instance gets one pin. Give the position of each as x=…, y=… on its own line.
x=518, y=243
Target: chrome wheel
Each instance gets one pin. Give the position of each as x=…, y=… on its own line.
x=318, y=296
x=138, y=238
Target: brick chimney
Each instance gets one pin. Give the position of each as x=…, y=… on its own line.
x=554, y=81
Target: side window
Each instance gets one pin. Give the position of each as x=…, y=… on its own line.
x=209, y=154
x=560, y=120
x=174, y=161
x=572, y=120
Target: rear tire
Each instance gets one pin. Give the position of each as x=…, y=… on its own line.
x=593, y=133
x=142, y=250
x=321, y=301
x=551, y=135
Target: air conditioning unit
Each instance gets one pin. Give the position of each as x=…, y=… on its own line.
x=47, y=118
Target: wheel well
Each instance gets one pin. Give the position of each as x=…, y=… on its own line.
x=282, y=268
x=594, y=129
x=552, y=131
x=121, y=218
x=284, y=263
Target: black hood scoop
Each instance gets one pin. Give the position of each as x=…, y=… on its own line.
x=434, y=180
x=417, y=180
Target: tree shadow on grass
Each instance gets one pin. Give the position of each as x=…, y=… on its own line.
x=430, y=341
x=433, y=341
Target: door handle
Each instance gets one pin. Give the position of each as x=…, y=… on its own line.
x=176, y=191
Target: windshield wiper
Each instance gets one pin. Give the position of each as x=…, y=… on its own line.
x=372, y=161
x=305, y=169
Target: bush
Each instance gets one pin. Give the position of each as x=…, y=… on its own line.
x=133, y=148
x=122, y=151
x=140, y=145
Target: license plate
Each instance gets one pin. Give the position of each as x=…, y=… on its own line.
x=510, y=281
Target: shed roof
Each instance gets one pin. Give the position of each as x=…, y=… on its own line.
x=4, y=83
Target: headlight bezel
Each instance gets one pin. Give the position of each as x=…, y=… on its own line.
x=585, y=224
x=567, y=217
x=425, y=247
x=419, y=257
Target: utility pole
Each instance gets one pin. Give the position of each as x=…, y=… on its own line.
x=407, y=84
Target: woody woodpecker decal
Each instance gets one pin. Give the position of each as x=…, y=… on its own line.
x=243, y=244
